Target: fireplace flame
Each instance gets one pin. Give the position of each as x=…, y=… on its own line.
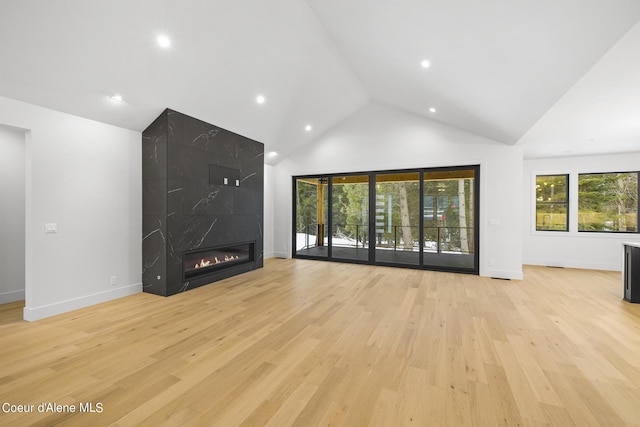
x=206, y=263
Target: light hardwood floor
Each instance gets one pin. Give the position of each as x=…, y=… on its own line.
x=315, y=343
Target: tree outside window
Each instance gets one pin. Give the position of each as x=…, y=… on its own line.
x=608, y=202
x=552, y=200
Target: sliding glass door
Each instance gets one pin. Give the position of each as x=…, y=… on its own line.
x=311, y=204
x=397, y=218
x=421, y=218
x=350, y=217
x=449, y=219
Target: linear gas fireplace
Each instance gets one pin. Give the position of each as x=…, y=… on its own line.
x=204, y=262
x=202, y=204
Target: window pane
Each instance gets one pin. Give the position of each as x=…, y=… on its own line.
x=397, y=218
x=428, y=208
x=311, y=216
x=608, y=202
x=350, y=217
x=551, y=202
x=448, y=219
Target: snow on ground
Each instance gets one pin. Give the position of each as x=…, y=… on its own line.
x=303, y=240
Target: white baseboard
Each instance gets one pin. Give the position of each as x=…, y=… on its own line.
x=281, y=255
x=11, y=296
x=503, y=274
x=575, y=264
x=36, y=313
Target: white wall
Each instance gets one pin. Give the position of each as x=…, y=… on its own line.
x=599, y=251
x=12, y=190
x=381, y=138
x=269, y=198
x=86, y=177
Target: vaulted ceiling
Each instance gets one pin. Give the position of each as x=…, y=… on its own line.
x=559, y=77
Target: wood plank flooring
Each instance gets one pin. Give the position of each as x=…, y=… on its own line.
x=309, y=343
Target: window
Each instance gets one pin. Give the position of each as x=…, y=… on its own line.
x=552, y=201
x=608, y=202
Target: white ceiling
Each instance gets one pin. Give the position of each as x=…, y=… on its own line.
x=559, y=77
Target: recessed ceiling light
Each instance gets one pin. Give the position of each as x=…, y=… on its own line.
x=163, y=41
x=432, y=110
x=273, y=153
x=116, y=97
x=425, y=63
x=260, y=99
x=308, y=128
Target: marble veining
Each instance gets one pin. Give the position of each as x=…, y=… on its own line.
x=195, y=233
x=171, y=124
x=206, y=136
x=156, y=158
x=204, y=236
x=157, y=230
x=247, y=177
x=146, y=266
x=176, y=255
x=207, y=201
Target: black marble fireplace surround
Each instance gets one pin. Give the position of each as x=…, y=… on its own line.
x=202, y=199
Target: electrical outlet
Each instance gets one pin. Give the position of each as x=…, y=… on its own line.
x=114, y=280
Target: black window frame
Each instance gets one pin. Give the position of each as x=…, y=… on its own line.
x=552, y=203
x=637, y=173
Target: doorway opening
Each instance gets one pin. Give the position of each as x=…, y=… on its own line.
x=12, y=212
